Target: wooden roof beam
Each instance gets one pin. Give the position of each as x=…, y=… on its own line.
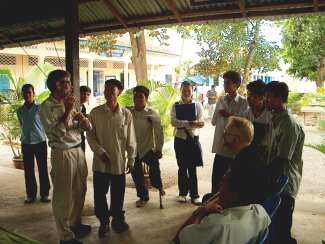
x=116, y=14
x=172, y=7
x=242, y=7
x=316, y=5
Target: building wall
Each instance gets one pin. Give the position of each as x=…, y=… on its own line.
x=92, y=66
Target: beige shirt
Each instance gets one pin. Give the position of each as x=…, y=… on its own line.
x=287, y=143
x=112, y=133
x=238, y=107
x=180, y=133
x=237, y=225
x=148, y=130
x=58, y=135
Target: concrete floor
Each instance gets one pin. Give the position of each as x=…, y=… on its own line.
x=150, y=224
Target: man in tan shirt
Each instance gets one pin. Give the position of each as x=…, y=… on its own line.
x=150, y=141
x=111, y=137
x=63, y=126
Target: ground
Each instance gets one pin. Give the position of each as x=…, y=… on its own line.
x=150, y=224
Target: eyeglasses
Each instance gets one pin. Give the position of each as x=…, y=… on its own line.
x=227, y=135
x=65, y=81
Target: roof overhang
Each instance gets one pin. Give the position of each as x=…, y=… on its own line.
x=28, y=22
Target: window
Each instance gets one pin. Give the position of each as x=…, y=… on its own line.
x=168, y=78
x=98, y=85
x=4, y=83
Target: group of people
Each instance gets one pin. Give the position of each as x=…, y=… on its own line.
x=122, y=139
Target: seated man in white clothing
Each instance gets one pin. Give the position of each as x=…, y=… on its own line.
x=233, y=217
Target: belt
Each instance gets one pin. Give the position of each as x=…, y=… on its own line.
x=76, y=146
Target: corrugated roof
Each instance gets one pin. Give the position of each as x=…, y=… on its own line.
x=28, y=21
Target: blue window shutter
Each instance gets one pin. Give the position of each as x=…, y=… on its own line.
x=4, y=83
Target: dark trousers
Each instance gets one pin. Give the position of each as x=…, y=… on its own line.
x=283, y=220
x=102, y=182
x=154, y=174
x=30, y=151
x=187, y=178
x=220, y=166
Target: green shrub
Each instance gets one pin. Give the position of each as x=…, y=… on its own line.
x=319, y=147
x=298, y=100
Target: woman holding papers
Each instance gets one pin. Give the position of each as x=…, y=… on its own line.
x=187, y=118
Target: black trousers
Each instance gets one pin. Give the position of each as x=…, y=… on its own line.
x=187, y=178
x=154, y=174
x=30, y=151
x=220, y=166
x=102, y=182
x=283, y=220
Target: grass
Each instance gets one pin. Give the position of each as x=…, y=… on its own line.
x=319, y=147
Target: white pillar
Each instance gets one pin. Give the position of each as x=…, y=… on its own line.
x=90, y=81
x=126, y=75
x=152, y=67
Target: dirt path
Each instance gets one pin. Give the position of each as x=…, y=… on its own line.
x=152, y=225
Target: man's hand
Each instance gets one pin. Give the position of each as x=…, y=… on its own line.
x=158, y=154
x=213, y=207
x=105, y=158
x=69, y=103
x=224, y=113
x=78, y=117
x=129, y=169
x=84, y=123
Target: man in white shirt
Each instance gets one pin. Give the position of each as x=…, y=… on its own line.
x=112, y=136
x=150, y=141
x=234, y=218
x=230, y=104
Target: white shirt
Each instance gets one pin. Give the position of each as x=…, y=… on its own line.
x=112, y=133
x=148, y=130
x=180, y=133
x=237, y=107
x=237, y=225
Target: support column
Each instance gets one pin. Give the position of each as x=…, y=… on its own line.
x=90, y=81
x=71, y=31
x=126, y=75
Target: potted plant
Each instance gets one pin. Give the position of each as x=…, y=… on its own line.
x=10, y=101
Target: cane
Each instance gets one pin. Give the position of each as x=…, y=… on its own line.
x=160, y=200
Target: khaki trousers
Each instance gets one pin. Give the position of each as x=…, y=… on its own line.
x=69, y=177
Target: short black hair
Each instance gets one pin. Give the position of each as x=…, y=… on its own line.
x=85, y=89
x=278, y=89
x=26, y=87
x=234, y=76
x=256, y=87
x=249, y=182
x=115, y=83
x=186, y=83
x=141, y=89
x=55, y=76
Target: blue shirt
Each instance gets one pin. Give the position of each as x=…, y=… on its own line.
x=32, y=131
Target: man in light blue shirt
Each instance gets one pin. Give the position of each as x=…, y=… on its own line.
x=33, y=143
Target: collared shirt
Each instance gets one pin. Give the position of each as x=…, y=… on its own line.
x=287, y=143
x=237, y=106
x=30, y=123
x=148, y=130
x=58, y=135
x=112, y=133
x=245, y=224
x=178, y=124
